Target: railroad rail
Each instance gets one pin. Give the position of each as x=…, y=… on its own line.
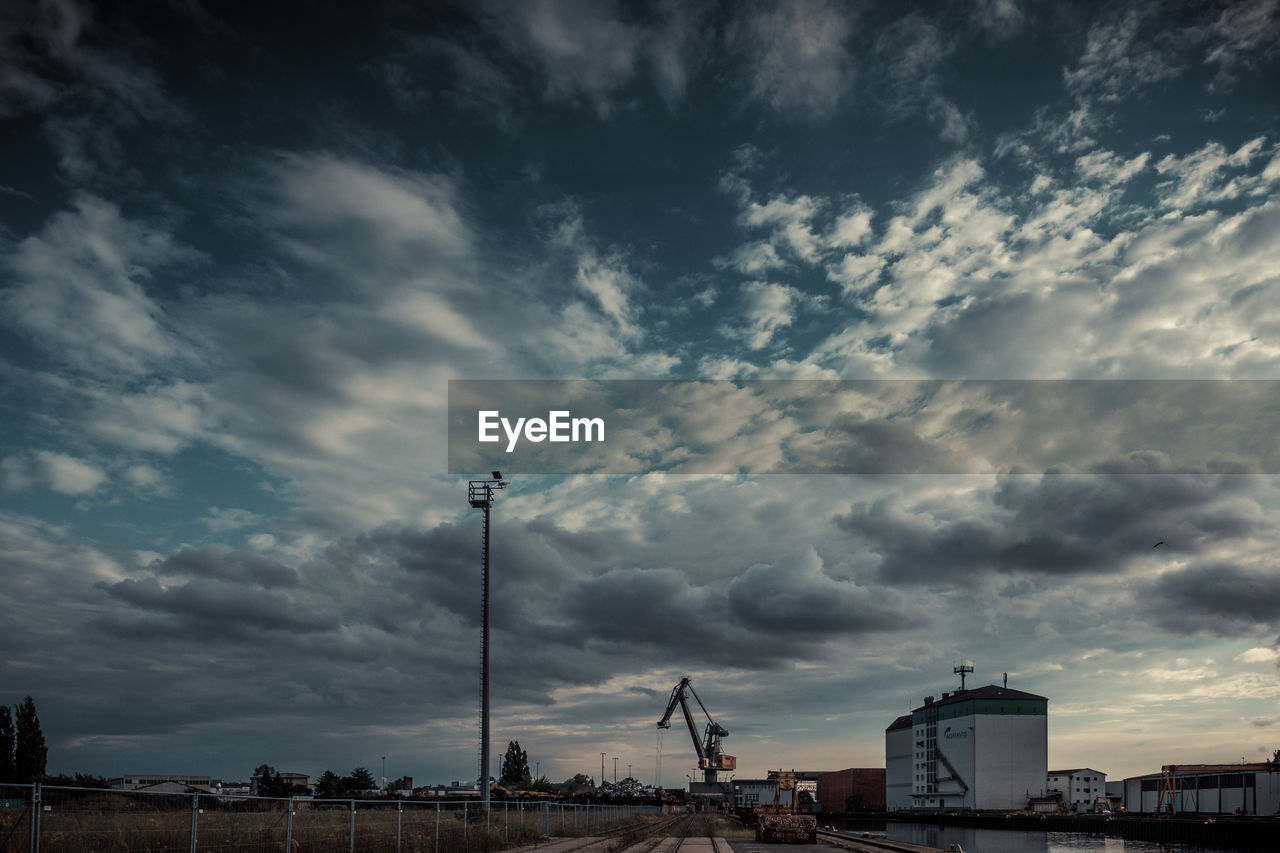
x=645, y=836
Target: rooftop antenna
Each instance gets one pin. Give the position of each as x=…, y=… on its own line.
x=962, y=670
x=1006, y=679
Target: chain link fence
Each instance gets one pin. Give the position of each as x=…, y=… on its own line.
x=55, y=819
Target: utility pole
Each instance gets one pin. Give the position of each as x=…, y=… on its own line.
x=615, y=770
x=602, y=768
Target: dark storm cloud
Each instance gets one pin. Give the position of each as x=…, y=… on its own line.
x=1219, y=598
x=1061, y=524
x=801, y=599
x=658, y=604
x=214, y=603
x=856, y=443
x=220, y=562
x=76, y=68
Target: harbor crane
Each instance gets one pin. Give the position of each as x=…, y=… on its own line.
x=711, y=759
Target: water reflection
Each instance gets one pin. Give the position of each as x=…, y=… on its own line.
x=973, y=840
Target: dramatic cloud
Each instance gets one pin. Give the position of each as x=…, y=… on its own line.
x=81, y=290
x=1224, y=599
x=1059, y=525
x=240, y=266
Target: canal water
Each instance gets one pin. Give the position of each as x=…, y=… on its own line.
x=973, y=840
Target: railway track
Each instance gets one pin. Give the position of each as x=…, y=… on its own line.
x=662, y=836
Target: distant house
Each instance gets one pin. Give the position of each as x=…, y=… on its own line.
x=1080, y=788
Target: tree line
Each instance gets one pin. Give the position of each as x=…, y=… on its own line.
x=23, y=754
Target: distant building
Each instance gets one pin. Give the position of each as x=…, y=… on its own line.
x=1209, y=789
x=137, y=781
x=297, y=780
x=455, y=790
x=899, y=764
x=749, y=793
x=746, y=794
x=1079, y=788
x=854, y=789
x=174, y=788
x=985, y=748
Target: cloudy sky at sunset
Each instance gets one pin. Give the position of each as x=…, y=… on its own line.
x=245, y=247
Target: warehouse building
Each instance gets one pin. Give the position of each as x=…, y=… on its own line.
x=984, y=748
x=1207, y=789
x=852, y=790
x=139, y=781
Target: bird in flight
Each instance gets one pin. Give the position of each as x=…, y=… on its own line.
x=1158, y=544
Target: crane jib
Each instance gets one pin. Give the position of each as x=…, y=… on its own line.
x=711, y=757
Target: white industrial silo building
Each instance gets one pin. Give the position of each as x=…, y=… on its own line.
x=984, y=748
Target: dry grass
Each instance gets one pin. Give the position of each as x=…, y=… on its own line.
x=74, y=828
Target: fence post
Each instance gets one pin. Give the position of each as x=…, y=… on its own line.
x=288, y=828
x=399, y=814
x=506, y=817
x=437, y=828
x=465, y=824
x=195, y=818
x=34, y=844
x=351, y=836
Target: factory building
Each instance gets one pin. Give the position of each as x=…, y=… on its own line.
x=1207, y=789
x=984, y=748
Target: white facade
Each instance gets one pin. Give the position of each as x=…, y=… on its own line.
x=898, y=763
x=985, y=748
x=749, y=793
x=1080, y=788
x=1210, y=789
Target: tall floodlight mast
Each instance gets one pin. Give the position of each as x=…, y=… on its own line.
x=480, y=495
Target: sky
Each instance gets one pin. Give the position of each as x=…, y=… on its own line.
x=245, y=248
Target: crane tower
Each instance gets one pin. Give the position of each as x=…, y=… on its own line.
x=711, y=758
